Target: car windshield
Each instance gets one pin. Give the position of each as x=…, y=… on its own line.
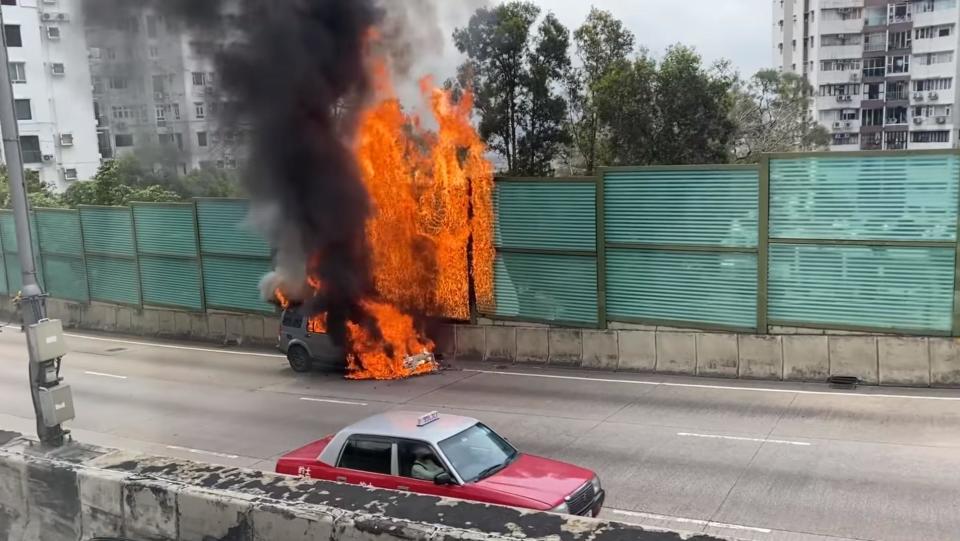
x=477, y=452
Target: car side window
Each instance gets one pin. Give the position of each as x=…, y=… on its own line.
x=292, y=319
x=367, y=454
x=417, y=460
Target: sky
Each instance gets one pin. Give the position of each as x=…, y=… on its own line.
x=738, y=30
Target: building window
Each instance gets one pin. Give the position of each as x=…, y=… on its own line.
x=176, y=111
x=898, y=90
x=900, y=40
x=166, y=138
x=8, y=2
x=897, y=115
x=30, y=147
x=872, y=117
x=896, y=140
x=846, y=64
x=898, y=64
x=111, y=53
x=18, y=72
x=154, y=52
x=199, y=109
x=151, y=26
x=119, y=83
x=199, y=78
x=12, y=33
x=928, y=59
x=123, y=140
x=201, y=138
x=924, y=85
x=930, y=137
x=23, y=110
x=846, y=139
x=161, y=116
x=159, y=83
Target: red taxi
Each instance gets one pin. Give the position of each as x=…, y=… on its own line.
x=449, y=456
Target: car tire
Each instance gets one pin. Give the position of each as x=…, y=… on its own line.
x=299, y=359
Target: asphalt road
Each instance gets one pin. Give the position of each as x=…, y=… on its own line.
x=756, y=460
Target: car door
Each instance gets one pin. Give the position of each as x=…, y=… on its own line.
x=407, y=456
x=368, y=461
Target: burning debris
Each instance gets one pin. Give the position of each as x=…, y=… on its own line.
x=370, y=214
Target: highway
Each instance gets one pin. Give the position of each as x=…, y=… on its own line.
x=755, y=460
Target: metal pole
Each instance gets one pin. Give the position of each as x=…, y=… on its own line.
x=32, y=305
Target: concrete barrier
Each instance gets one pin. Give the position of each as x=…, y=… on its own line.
x=80, y=492
x=787, y=353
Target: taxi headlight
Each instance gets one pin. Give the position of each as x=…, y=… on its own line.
x=596, y=485
x=562, y=509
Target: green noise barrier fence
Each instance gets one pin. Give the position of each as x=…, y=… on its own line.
x=190, y=256
x=861, y=241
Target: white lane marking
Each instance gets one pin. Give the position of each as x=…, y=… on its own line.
x=740, y=438
x=330, y=401
x=102, y=375
x=720, y=387
x=201, y=452
x=171, y=346
x=651, y=516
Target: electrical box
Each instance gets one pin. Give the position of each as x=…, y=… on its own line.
x=45, y=339
x=56, y=404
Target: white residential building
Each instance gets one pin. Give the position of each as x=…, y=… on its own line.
x=52, y=93
x=154, y=88
x=884, y=71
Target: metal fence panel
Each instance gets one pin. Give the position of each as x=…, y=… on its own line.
x=169, y=255
x=681, y=245
x=894, y=197
x=233, y=283
x=546, y=287
x=113, y=280
x=541, y=214
x=683, y=287
x=682, y=206
x=11, y=258
x=224, y=229
x=108, y=231
x=171, y=282
x=870, y=287
x=61, y=250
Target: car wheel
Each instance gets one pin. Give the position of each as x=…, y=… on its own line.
x=299, y=359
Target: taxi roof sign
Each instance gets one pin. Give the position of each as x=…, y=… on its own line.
x=424, y=420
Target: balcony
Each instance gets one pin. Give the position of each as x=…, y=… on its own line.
x=899, y=95
x=841, y=26
x=930, y=18
x=833, y=52
x=824, y=103
x=838, y=77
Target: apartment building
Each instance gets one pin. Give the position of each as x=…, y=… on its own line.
x=51, y=89
x=154, y=88
x=884, y=72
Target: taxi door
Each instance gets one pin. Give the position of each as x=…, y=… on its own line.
x=407, y=455
x=368, y=461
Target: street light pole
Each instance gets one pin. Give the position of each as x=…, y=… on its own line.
x=32, y=305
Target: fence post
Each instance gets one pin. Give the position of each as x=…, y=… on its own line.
x=136, y=252
x=196, y=236
x=956, y=272
x=601, y=251
x=763, y=246
x=83, y=257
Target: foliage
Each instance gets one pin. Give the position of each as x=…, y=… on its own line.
x=603, y=47
x=514, y=73
x=772, y=114
x=117, y=183
x=40, y=194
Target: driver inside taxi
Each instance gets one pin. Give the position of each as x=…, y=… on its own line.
x=425, y=466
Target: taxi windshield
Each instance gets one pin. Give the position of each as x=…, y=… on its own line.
x=477, y=453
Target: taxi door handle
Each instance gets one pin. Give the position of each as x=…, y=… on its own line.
x=341, y=479
x=401, y=487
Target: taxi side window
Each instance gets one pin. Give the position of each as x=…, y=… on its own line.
x=367, y=454
x=417, y=460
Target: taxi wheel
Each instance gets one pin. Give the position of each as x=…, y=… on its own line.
x=299, y=359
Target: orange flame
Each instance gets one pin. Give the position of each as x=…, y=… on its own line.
x=432, y=196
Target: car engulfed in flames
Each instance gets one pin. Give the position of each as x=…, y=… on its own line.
x=430, y=235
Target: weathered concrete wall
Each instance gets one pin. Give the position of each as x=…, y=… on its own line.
x=788, y=353
x=79, y=492
x=791, y=355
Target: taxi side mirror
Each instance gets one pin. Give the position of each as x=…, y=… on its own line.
x=443, y=479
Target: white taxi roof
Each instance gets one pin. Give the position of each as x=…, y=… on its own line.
x=401, y=425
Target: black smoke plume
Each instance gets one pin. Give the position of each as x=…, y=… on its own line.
x=294, y=74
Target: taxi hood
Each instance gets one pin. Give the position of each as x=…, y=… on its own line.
x=539, y=479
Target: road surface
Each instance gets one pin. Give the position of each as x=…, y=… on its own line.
x=756, y=460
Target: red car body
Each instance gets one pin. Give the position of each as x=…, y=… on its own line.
x=526, y=481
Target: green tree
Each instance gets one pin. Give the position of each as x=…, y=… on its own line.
x=39, y=194
x=210, y=182
x=603, y=47
x=772, y=114
x=624, y=100
x=545, y=130
x=514, y=73
x=117, y=183
x=693, y=105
